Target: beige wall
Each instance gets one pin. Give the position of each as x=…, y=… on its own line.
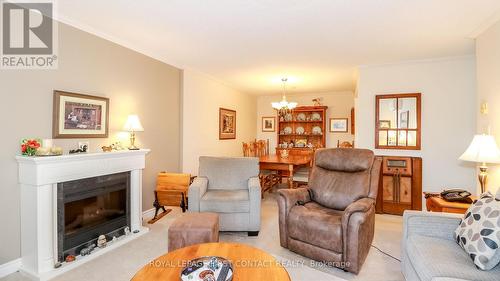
x=202, y=98
x=87, y=64
x=339, y=106
x=448, y=88
x=488, y=90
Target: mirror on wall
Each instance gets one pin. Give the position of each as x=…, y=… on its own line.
x=398, y=121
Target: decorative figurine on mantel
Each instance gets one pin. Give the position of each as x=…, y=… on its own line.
x=117, y=146
x=107, y=148
x=82, y=149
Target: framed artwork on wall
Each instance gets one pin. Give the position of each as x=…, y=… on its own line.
x=79, y=116
x=268, y=124
x=338, y=125
x=227, y=124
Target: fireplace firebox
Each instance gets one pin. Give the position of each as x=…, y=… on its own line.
x=90, y=207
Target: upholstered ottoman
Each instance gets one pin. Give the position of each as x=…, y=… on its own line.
x=193, y=228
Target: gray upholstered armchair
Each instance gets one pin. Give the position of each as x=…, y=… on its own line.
x=333, y=219
x=231, y=188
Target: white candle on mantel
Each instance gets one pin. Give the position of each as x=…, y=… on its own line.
x=47, y=143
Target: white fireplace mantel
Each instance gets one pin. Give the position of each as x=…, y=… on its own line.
x=38, y=178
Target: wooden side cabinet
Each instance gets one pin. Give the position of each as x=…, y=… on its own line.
x=400, y=185
x=438, y=204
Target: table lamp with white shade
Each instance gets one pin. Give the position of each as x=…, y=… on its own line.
x=483, y=149
x=133, y=125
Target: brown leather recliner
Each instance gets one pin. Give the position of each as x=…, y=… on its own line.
x=332, y=220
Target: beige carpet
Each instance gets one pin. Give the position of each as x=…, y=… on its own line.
x=122, y=263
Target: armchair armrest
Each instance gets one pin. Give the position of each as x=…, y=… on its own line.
x=254, y=189
x=254, y=192
x=440, y=225
x=195, y=192
x=286, y=200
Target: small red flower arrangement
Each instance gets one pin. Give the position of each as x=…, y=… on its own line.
x=29, y=146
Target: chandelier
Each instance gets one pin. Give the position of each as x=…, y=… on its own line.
x=284, y=107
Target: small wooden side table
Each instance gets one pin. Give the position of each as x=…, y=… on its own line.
x=438, y=204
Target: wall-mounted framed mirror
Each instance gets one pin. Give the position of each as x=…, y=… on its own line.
x=397, y=121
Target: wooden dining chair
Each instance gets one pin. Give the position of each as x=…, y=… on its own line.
x=261, y=147
x=246, y=149
x=345, y=144
x=301, y=176
x=258, y=148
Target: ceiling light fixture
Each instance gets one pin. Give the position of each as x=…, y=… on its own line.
x=284, y=107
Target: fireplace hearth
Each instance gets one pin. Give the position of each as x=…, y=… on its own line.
x=87, y=208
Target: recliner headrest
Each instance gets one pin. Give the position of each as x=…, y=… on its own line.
x=344, y=159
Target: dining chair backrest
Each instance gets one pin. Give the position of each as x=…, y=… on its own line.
x=256, y=148
x=345, y=144
x=262, y=147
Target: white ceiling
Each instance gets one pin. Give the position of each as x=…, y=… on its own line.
x=251, y=44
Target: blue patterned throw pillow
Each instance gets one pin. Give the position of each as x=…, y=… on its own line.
x=479, y=232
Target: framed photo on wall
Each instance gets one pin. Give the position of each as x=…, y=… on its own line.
x=79, y=116
x=268, y=124
x=227, y=124
x=338, y=125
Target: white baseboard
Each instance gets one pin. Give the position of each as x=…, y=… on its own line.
x=10, y=267
x=148, y=214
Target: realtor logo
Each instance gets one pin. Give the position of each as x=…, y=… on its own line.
x=29, y=39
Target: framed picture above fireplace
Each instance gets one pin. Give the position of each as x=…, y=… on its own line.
x=79, y=116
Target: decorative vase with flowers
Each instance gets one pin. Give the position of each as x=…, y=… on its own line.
x=29, y=146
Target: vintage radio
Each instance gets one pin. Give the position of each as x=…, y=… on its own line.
x=400, y=185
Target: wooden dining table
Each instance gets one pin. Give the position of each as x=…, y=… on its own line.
x=288, y=165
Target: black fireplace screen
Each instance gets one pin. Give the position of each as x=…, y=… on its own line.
x=91, y=207
x=91, y=212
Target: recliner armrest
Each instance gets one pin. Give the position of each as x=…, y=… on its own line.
x=286, y=200
x=196, y=190
x=358, y=226
x=291, y=197
x=361, y=205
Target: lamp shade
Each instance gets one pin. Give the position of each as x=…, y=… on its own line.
x=133, y=124
x=483, y=149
